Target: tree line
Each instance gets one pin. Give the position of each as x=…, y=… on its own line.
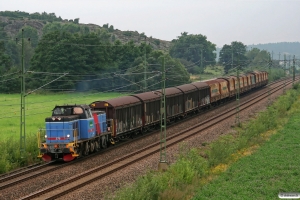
x=93, y=61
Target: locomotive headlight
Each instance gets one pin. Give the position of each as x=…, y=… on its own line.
x=45, y=136
x=68, y=135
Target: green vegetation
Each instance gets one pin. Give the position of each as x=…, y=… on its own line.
x=40, y=16
x=38, y=107
x=274, y=168
x=235, y=50
x=91, y=60
x=198, y=167
x=193, y=50
x=291, y=48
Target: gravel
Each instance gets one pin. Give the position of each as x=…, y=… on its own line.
x=109, y=185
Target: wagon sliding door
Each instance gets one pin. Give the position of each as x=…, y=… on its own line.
x=128, y=118
x=152, y=110
x=174, y=105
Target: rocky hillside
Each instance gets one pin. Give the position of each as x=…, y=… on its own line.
x=13, y=25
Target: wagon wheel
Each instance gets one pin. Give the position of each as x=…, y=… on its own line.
x=86, y=149
x=103, y=142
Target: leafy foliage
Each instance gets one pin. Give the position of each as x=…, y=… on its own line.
x=193, y=48
x=233, y=55
x=257, y=57
x=94, y=57
x=41, y=16
x=29, y=33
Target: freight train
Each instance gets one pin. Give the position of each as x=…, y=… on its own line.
x=78, y=130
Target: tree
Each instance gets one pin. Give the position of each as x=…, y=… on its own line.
x=193, y=48
x=111, y=28
x=29, y=32
x=76, y=20
x=9, y=82
x=51, y=27
x=257, y=58
x=13, y=51
x=235, y=50
x=5, y=62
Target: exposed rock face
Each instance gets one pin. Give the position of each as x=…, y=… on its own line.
x=15, y=25
x=12, y=27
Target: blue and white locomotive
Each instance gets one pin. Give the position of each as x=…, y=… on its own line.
x=72, y=131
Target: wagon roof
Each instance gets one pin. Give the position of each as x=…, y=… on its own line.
x=121, y=101
x=255, y=72
x=213, y=81
x=226, y=77
x=235, y=77
x=187, y=87
x=171, y=91
x=146, y=96
x=220, y=80
x=200, y=84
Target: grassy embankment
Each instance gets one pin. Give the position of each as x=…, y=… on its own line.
x=200, y=172
x=272, y=169
x=209, y=73
x=38, y=107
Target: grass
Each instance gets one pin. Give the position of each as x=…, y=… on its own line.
x=274, y=168
x=38, y=107
x=209, y=73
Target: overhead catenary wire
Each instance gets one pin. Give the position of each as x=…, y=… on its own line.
x=111, y=90
x=69, y=98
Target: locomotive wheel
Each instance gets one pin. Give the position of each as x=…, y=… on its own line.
x=78, y=151
x=86, y=149
x=103, y=142
x=92, y=147
x=97, y=145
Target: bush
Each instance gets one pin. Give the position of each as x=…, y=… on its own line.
x=127, y=33
x=151, y=186
x=10, y=156
x=221, y=150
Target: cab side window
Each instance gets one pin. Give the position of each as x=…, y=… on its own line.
x=88, y=113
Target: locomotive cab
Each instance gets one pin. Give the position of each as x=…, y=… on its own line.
x=67, y=125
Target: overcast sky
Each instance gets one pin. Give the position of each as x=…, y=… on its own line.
x=222, y=21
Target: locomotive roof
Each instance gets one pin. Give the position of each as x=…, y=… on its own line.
x=73, y=105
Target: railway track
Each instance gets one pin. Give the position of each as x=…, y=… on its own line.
x=80, y=180
x=18, y=177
